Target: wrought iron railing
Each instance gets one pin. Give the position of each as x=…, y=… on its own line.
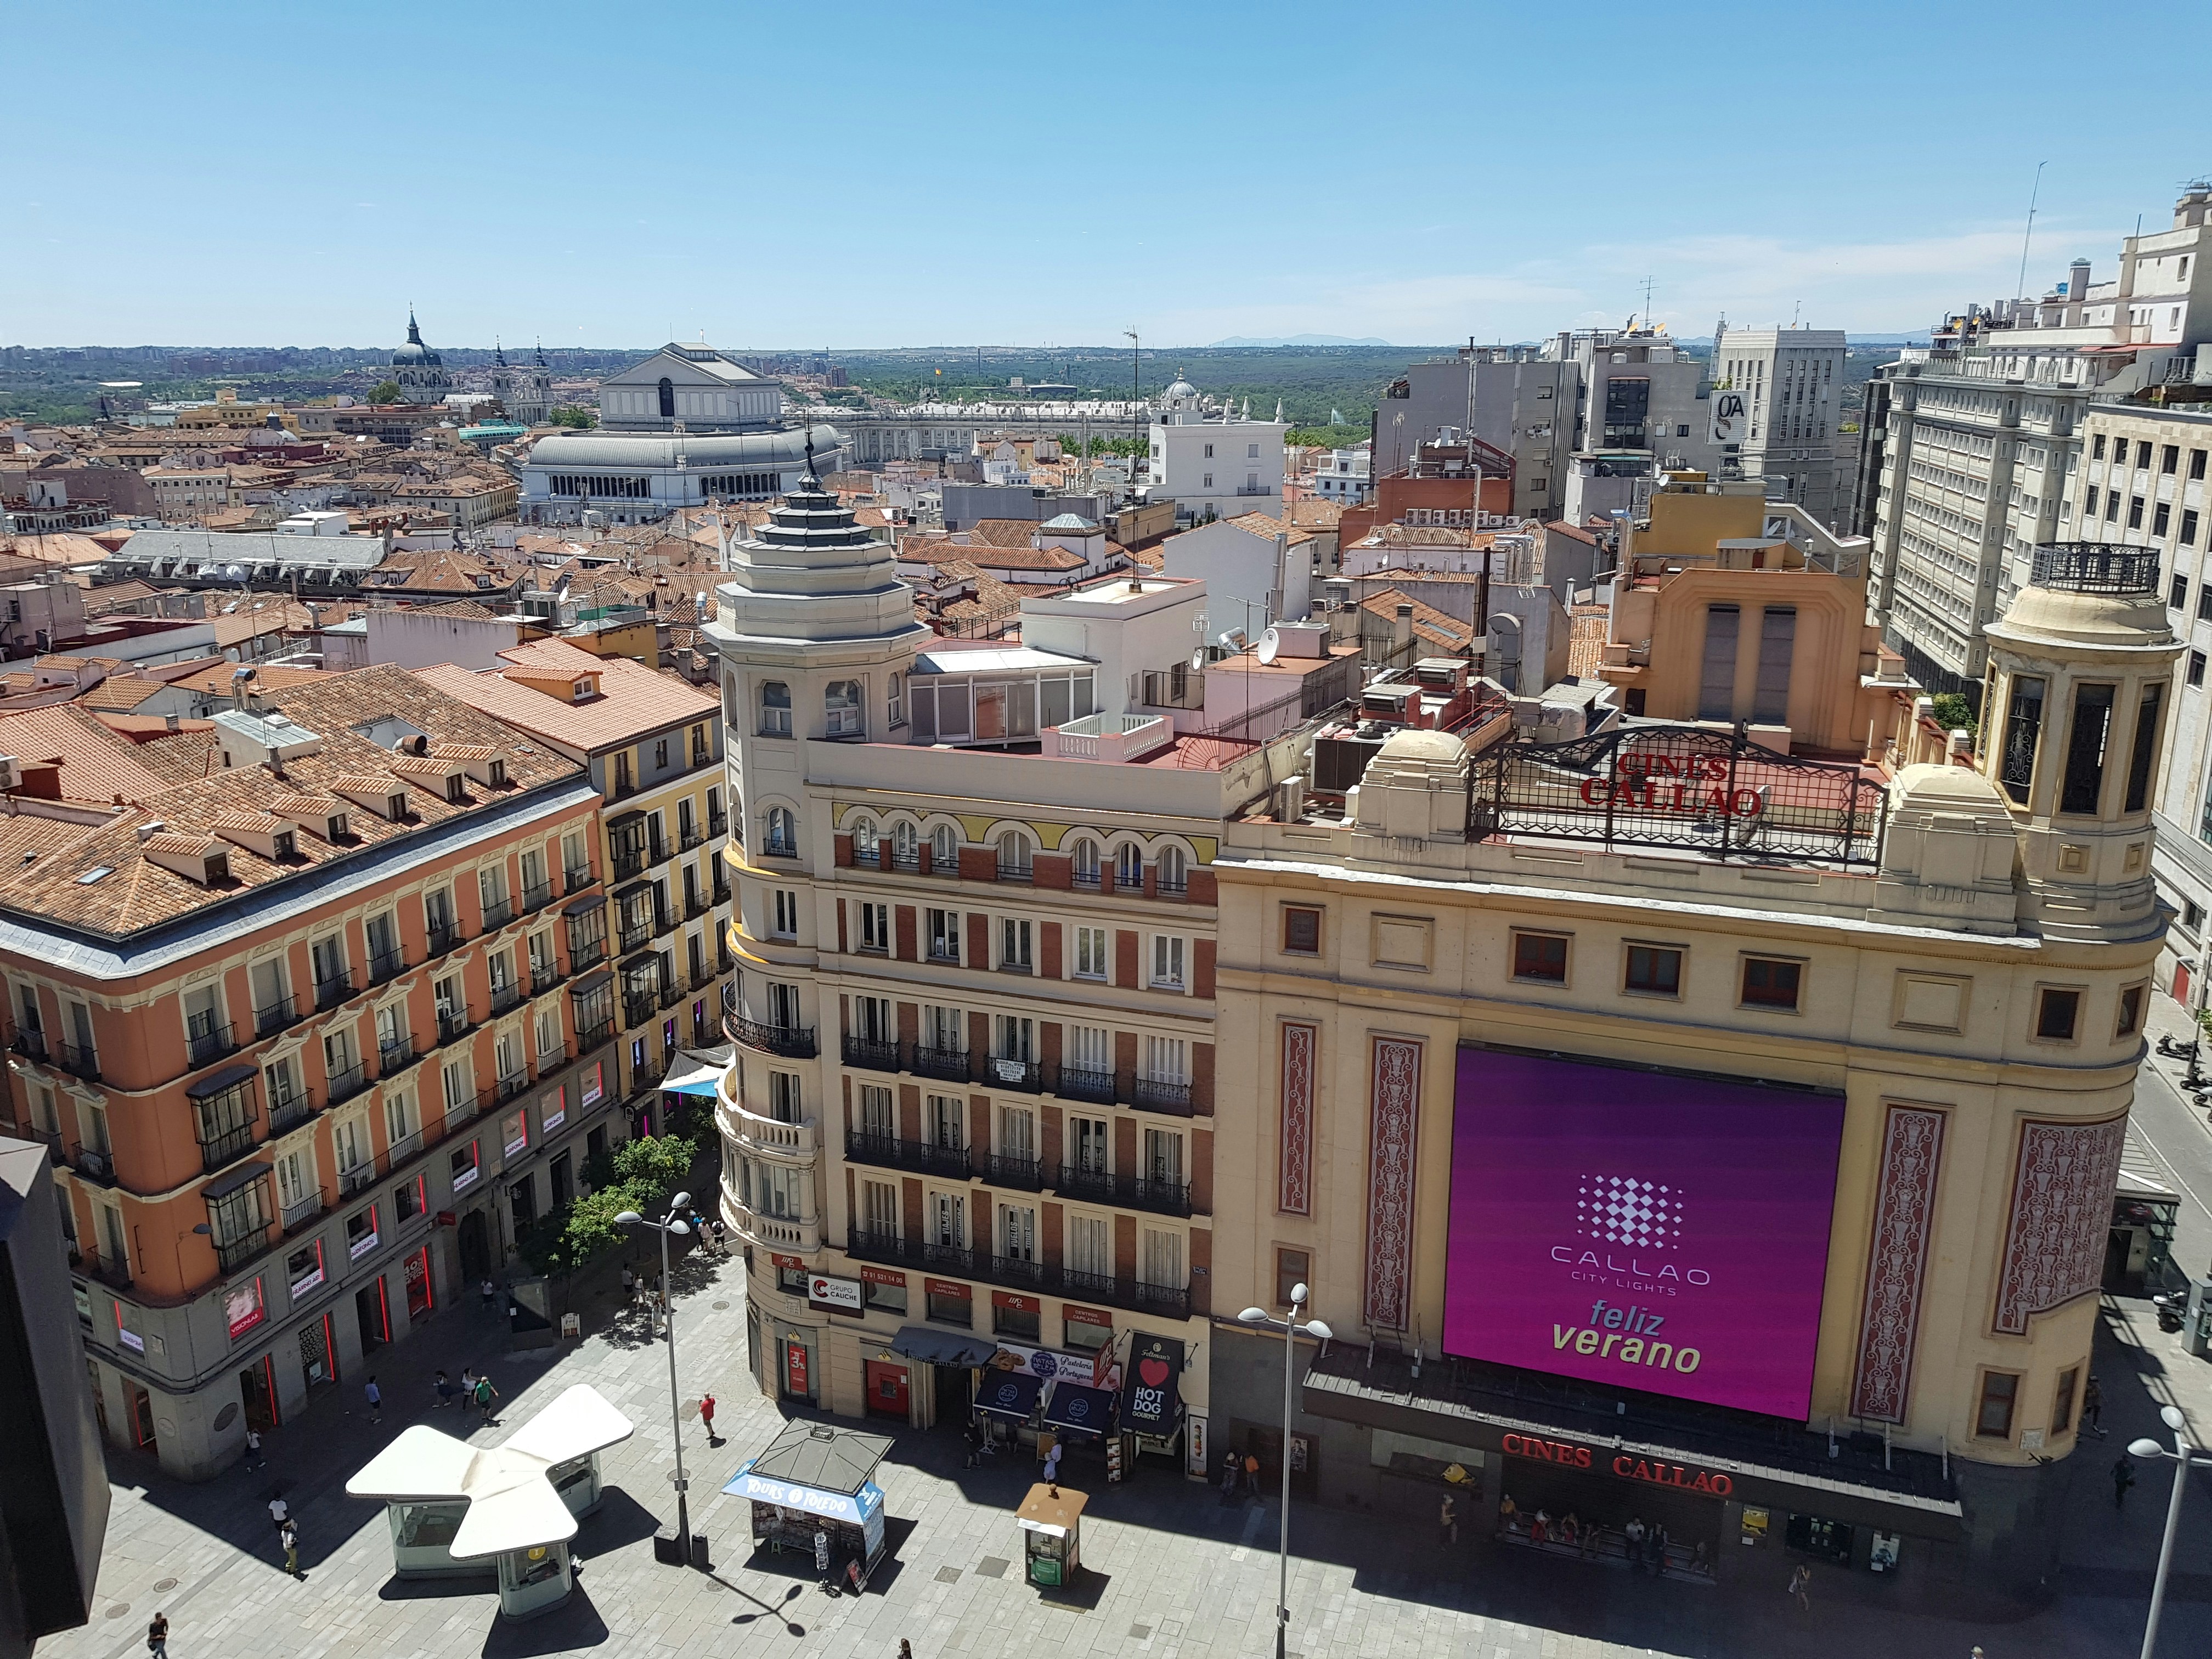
x=2094, y=567
x=877, y=1056
x=790, y=1042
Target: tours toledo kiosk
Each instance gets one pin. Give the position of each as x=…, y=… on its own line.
x=457, y=1510
x=814, y=1490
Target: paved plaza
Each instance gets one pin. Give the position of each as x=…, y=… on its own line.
x=1174, y=1572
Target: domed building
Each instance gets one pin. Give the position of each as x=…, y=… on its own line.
x=419, y=370
x=1181, y=395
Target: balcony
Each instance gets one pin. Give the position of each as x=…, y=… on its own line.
x=695, y=905
x=776, y=1232
x=703, y=1034
x=945, y=1064
x=505, y=994
x=273, y=1017
x=96, y=1167
x=659, y=852
x=31, y=1045
x=576, y=878
x=537, y=896
x=702, y=976
x=403, y=1149
x=1157, y=1095
x=770, y=1135
x=1024, y=1173
x=592, y=1036
x=1173, y=1301
x=443, y=934
x=452, y=1025
x=77, y=1062
x=584, y=952
x=876, y=1056
x=306, y=1210
x=115, y=1275
x=233, y=1254
x=917, y=1156
x=721, y=888
x=1085, y=879
x=647, y=1076
x=637, y=1009
x=227, y=1147
x=395, y=1053
x=205, y=1041
x=1019, y=1272
x=543, y=977
x=497, y=911
x=887, y=1248
x=511, y=1085
x=347, y=1083
x=333, y=989
x=1025, y=1075
x=1085, y=1082
x=359, y=1178
x=1160, y=1196
x=717, y=822
x=689, y=836
x=1172, y=886
x=787, y=1041
x=288, y=1111
x=386, y=965
x=671, y=995
x=951, y=1259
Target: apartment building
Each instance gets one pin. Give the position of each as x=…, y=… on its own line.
x=1209, y=462
x=311, y=1043
x=1971, y=446
x=969, y=1120
x=2143, y=486
x=653, y=745
x=1789, y=379
x=1666, y=1128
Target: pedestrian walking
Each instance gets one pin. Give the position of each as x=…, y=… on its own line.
x=1507, y=1513
x=157, y=1636
x=489, y=1292
x=487, y=1397
x=2093, y=1407
x=723, y=1248
x=1252, y=1474
x=374, y=1395
x=445, y=1390
x=1800, y=1582
x=1230, y=1468
x=906, y=1649
x=1634, y=1534
x=290, y=1539
x=1448, y=1520
x=1659, y=1542
x=628, y=1285
x=706, y=1416
x=973, y=1434
x=254, y=1460
x=279, y=1512
x=2123, y=1476
x=1052, y=1465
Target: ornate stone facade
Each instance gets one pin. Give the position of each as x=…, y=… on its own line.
x=1396, y=1095
x=1294, y=1186
x=1897, y=1262
x=2062, y=1206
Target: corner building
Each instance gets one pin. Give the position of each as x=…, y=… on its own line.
x=1759, y=1185
x=969, y=1120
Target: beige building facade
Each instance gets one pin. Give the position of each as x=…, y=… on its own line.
x=1908, y=1023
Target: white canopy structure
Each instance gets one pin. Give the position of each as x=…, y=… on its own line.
x=512, y=1505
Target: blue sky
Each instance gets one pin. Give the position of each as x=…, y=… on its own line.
x=904, y=175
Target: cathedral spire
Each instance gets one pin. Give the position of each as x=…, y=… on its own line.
x=414, y=334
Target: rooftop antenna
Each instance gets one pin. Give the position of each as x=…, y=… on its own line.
x=1647, y=304
x=1796, y=309
x=1133, y=437
x=2020, y=289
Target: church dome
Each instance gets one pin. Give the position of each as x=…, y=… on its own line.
x=413, y=353
x=1181, y=391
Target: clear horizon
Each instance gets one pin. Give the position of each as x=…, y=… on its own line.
x=294, y=176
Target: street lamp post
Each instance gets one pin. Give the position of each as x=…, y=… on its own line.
x=672, y=1222
x=2184, y=1457
x=1292, y=1330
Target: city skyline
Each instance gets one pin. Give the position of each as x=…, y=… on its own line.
x=842, y=195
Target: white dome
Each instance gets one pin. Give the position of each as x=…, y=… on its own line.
x=1181, y=391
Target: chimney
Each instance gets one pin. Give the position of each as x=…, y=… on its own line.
x=2077, y=281
x=1401, y=629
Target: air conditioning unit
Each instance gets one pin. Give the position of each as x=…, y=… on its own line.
x=1291, y=800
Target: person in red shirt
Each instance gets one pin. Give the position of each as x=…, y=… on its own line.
x=706, y=1416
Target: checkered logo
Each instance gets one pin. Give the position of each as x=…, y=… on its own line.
x=1623, y=1209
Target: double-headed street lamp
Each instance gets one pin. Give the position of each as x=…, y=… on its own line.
x=2184, y=1457
x=1258, y=1318
x=673, y=1222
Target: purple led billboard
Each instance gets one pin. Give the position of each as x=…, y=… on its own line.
x=1648, y=1231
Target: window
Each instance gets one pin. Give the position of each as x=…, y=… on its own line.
x=944, y=932
x=1087, y=1144
x=1716, y=677
x=2089, y=502
x=1014, y=944
x=1161, y=1262
x=2197, y=668
x=787, y=914
x=1167, y=960
x=2131, y=1007
x=782, y=834
x=1167, y=1060
x=1540, y=956
x=775, y=709
x=1129, y=867
x=2161, y=519
x=2197, y=462
x=667, y=399
x=948, y=1130
x=1293, y=1268
x=2135, y=512
x=895, y=717
x=1085, y=1331
x=2056, y=1012
x=1173, y=867
x=876, y=1119
x=945, y=850
x=2062, y=1402
x=2023, y=730
x=875, y=927
x=2143, y=754
x=783, y=1012
x=2189, y=526
x=2097, y=447
x=1090, y=1246
x=1015, y=851
x=1993, y=1419
x=1301, y=931
x=842, y=714
x=2086, y=741
x=2143, y=453
x=1083, y=862
x=660, y=754
x=1772, y=983
x=882, y=1298
x=951, y=1305
x=1091, y=953
x=783, y=1097
x=1653, y=970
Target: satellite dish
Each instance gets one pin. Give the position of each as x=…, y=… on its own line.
x=1271, y=647
x=1198, y=660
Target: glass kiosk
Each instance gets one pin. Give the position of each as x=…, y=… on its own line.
x=1051, y=1519
x=456, y=1509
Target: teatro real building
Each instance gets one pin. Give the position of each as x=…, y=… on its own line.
x=1674, y=1130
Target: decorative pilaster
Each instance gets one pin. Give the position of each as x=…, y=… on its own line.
x=1396, y=1094
x=1897, y=1263
x=2062, y=1212
x=1294, y=1184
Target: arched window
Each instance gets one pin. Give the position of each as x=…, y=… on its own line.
x=1128, y=867
x=840, y=709
x=1015, y=853
x=782, y=834
x=864, y=841
x=945, y=850
x=1083, y=862
x=667, y=398
x=775, y=709
x=1174, y=869
x=906, y=847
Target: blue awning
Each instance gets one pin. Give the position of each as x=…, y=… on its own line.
x=696, y=1070
x=1008, y=1393
x=860, y=1508
x=1074, y=1406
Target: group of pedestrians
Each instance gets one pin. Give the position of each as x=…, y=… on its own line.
x=1240, y=1477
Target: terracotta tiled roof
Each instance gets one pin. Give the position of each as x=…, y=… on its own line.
x=96, y=765
x=120, y=693
x=463, y=752
x=1429, y=622
x=633, y=701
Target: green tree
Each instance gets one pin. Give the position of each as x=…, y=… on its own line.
x=570, y=415
x=1325, y=437
x=385, y=392
x=1954, y=711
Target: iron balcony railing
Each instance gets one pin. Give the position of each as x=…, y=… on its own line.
x=1026, y=1173
x=273, y=1017
x=94, y=1166
x=443, y=934
x=789, y=1041
x=1093, y=1083
x=385, y=965
x=512, y=1084
x=498, y=912
x=227, y=1147
x=31, y=1045
x=78, y=1062
x=233, y=1254
x=689, y=836
x=505, y=994
x=395, y=1053
x=543, y=977
x=208, y=1043
x=644, y=1077
x=453, y=1024
x=672, y=994
x=2094, y=567
x=946, y=1065
x=868, y=1052
x=637, y=1008
x=286, y=1111
x=721, y=888
x=1158, y=1095
x=1160, y=1197
x=695, y=905
x=333, y=989
x=918, y=1157
x=592, y=1036
x=347, y=1083
x=717, y=822
x=576, y=878
x=1018, y=1271
x=1025, y=1075
x=537, y=896
x=888, y=1248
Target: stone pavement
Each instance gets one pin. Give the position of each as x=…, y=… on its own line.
x=1173, y=1571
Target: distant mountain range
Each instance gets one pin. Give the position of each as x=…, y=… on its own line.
x=1293, y=340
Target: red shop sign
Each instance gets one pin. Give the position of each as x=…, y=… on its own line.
x=791, y=1261
x=1086, y=1315
x=1013, y=1303
x=952, y=1287
x=794, y=1370
x=1627, y=1465
x=883, y=1276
